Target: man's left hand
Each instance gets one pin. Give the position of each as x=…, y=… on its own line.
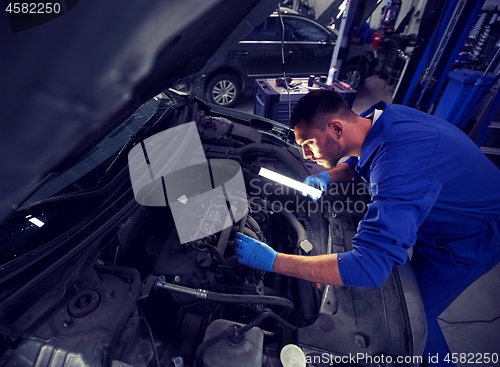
x=321, y=181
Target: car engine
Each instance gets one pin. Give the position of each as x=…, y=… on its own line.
x=122, y=290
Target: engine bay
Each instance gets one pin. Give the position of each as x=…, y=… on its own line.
x=134, y=295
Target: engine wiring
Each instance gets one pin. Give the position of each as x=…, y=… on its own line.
x=150, y=335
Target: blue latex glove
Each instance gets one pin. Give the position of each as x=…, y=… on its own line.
x=253, y=253
x=319, y=181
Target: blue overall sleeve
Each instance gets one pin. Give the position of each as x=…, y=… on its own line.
x=404, y=189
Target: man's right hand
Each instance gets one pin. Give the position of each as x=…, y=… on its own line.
x=253, y=253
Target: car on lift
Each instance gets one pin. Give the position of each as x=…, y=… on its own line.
x=307, y=49
x=91, y=277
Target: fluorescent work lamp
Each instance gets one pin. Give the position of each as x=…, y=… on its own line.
x=287, y=181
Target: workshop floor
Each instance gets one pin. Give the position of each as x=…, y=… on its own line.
x=480, y=302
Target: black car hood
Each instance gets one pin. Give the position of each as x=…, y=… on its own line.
x=68, y=82
x=359, y=12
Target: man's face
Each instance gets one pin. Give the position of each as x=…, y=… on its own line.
x=319, y=146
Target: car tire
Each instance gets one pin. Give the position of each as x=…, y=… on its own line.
x=353, y=76
x=223, y=90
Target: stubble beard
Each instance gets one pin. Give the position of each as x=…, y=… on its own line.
x=332, y=153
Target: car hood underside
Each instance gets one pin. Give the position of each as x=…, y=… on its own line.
x=70, y=81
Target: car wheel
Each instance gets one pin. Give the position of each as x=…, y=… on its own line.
x=353, y=76
x=223, y=90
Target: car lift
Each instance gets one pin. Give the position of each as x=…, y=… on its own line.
x=456, y=20
x=341, y=38
x=342, y=14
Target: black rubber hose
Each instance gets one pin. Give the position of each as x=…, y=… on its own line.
x=228, y=298
x=254, y=226
x=264, y=316
x=280, y=209
x=250, y=233
x=243, y=221
x=290, y=162
x=245, y=230
x=200, y=351
x=301, y=232
x=251, y=299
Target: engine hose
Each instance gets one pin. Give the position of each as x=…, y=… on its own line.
x=254, y=226
x=250, y=233
x=245, y=230
x=243, y=221
x=280, y=209
x=251, y=299
x=200, y=351
x=227, y=298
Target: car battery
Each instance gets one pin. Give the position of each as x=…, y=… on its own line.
x=274, y=102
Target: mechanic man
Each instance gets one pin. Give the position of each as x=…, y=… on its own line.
x=365, y=35
x=432, y=188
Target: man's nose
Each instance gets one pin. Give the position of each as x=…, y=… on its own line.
x=306, y=152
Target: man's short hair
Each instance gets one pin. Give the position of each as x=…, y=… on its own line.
x=316, y=107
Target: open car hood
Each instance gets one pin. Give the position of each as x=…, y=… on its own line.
x=68, y=82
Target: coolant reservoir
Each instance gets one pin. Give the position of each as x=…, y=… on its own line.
x=247, y=352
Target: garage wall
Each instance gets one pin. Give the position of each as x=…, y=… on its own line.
x=320, y=6
x=492, y=2
x=419, y=8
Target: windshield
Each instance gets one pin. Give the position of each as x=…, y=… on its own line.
x=86, y=172
x=33, y=226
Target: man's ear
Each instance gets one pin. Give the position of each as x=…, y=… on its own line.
x=336, y=128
